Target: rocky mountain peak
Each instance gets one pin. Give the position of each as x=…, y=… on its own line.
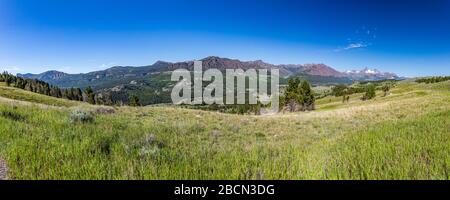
x=370, y=74
x=321, y=70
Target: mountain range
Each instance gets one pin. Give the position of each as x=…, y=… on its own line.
x=119, y=72
x=152, y=82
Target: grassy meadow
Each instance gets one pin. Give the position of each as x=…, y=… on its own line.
x=405, y=135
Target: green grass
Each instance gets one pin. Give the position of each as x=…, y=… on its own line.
x=23, y=95
x=407, y=149
x=401, y=136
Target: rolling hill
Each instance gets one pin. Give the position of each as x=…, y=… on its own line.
x=401, y=136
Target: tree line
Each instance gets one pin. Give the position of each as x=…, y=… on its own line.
x=75, y=94
x=368, y=88
x=41, y=87
x=434, y=79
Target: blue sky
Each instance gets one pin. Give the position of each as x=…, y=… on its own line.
x=410, y=38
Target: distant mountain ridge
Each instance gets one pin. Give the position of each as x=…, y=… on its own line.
x=124, y=72
x=152, y=84
x=48, y=75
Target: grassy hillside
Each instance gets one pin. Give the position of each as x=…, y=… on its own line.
x=402, y=136
x=30, y=97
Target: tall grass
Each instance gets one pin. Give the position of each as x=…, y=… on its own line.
x=402, y=136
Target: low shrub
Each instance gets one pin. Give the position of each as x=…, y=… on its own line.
x=104, y=110
x=81, y=116
x=150, y=145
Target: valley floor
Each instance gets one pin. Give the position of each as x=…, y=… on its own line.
x=405, y=135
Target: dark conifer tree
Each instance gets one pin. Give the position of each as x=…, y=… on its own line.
x=90, y=95
x=307, y=98
x=134, y=101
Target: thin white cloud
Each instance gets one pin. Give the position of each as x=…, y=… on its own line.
x=355, y=46
x=361, y=38
x=351, y=46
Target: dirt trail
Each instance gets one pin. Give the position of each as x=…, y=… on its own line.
x=3, y=170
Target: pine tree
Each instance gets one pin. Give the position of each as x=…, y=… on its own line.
x=292, y=97
x=53, y=91
x=28, y=86
x=339, y=90
x=345, y=95
x=370, y=92
x=66, y=94
x=386, y=88
x=90, y=95
x=79, y=94
x=7, y=78
x=20, y=83
x=134, y=101
x=58, y=92
x=307, y=98
x=299, y=93
x=72, y=94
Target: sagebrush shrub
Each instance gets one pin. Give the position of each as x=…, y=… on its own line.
x=104, y=110
x=81, y=116
x=150, y=145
